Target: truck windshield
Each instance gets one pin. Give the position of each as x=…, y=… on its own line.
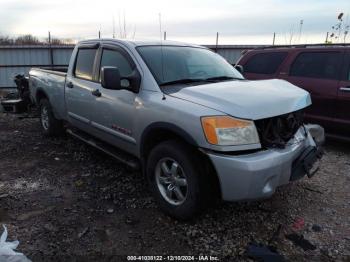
x=186, y=65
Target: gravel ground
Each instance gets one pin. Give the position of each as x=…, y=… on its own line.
x=64, y=200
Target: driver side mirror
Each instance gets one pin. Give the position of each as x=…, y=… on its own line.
x=239, y=68
x=111, y=79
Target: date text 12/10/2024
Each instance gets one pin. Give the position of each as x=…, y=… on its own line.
x=173, y=258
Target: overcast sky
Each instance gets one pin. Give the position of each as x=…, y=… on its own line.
x=196, y=21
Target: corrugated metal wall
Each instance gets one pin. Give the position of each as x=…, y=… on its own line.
x=19, y=59
x=232, y=52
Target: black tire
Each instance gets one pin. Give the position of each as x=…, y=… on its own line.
x=196, y=178
x=50, y=126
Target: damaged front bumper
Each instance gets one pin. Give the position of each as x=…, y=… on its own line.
x=257, y=175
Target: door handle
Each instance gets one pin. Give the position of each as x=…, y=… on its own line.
x=96, y=92
x=70, y=85
x=345, y=89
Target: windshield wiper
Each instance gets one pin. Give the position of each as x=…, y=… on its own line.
x=223, y=78
x=183, y=81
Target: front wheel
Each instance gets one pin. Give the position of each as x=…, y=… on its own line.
x=176, y=179
x=51, y=126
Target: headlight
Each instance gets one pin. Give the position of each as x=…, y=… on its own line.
x=229, y=131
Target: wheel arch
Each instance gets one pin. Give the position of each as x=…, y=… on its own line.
x=162, y=131
x=40, y=94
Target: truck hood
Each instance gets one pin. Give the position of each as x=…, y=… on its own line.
x=244, y=98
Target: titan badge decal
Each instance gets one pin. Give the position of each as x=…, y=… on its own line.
x=122, y=130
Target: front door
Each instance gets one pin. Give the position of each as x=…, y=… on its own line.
x=79, y=85
x=114, y=110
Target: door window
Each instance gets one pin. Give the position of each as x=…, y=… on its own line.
x=317, y=65
x=116, y=59
x=85, y=63
x=265, y=63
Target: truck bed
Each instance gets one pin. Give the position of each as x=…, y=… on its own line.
x=51, y=84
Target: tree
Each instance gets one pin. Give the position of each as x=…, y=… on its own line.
x=5, y=40
x=340, y=30
x=33, y=40
x=27, y=40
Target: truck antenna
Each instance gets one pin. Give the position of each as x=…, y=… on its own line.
x=161, y=49
x=113, y=25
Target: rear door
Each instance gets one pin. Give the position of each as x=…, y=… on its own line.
x=343, y=99
x=264, y=65
x=113, y=111
x=79, y=85
x=318, y=72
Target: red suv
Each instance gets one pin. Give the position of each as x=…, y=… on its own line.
x=324, y=71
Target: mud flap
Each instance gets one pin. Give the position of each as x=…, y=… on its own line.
x=307, y=163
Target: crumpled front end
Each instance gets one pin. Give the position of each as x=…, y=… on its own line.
x=257, y=175
x=277, y=132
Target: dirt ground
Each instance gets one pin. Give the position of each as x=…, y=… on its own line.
x=65, y=201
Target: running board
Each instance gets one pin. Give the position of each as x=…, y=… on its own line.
x=118, y=154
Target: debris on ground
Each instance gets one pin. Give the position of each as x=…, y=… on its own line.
x=7, y=250
x=300, y=241
x=316, y=228
x=110, y=210
x=298, y=224
x=260, y=252
x=81, y=234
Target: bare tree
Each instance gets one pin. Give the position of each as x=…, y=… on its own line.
x=291, y=34
x=27, y=40
x=32, y=40
x=124, y=28
x=6, y=40
x=340, y=30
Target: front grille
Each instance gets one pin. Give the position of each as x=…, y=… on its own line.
x=277, y=131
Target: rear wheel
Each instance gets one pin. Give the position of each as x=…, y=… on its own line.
x=51, y=126
x=176, y=179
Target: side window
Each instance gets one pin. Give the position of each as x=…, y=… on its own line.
x=116, y=59
x=265, y=63
x=85, y=63
x=317, y=65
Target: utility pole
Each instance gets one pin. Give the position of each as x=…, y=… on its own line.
x=327, y=38
x=217, y=42
x=50, y=50
x=274, y=37
x=164, y=35
x=99, y=32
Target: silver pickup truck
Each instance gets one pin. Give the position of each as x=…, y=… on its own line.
x=185, y=117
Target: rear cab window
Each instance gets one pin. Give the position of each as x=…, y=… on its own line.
x=265, y=63
x=84, y=64
x=318, y=64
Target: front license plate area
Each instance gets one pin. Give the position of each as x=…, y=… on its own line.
x=307, y=163
x=311, y=164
